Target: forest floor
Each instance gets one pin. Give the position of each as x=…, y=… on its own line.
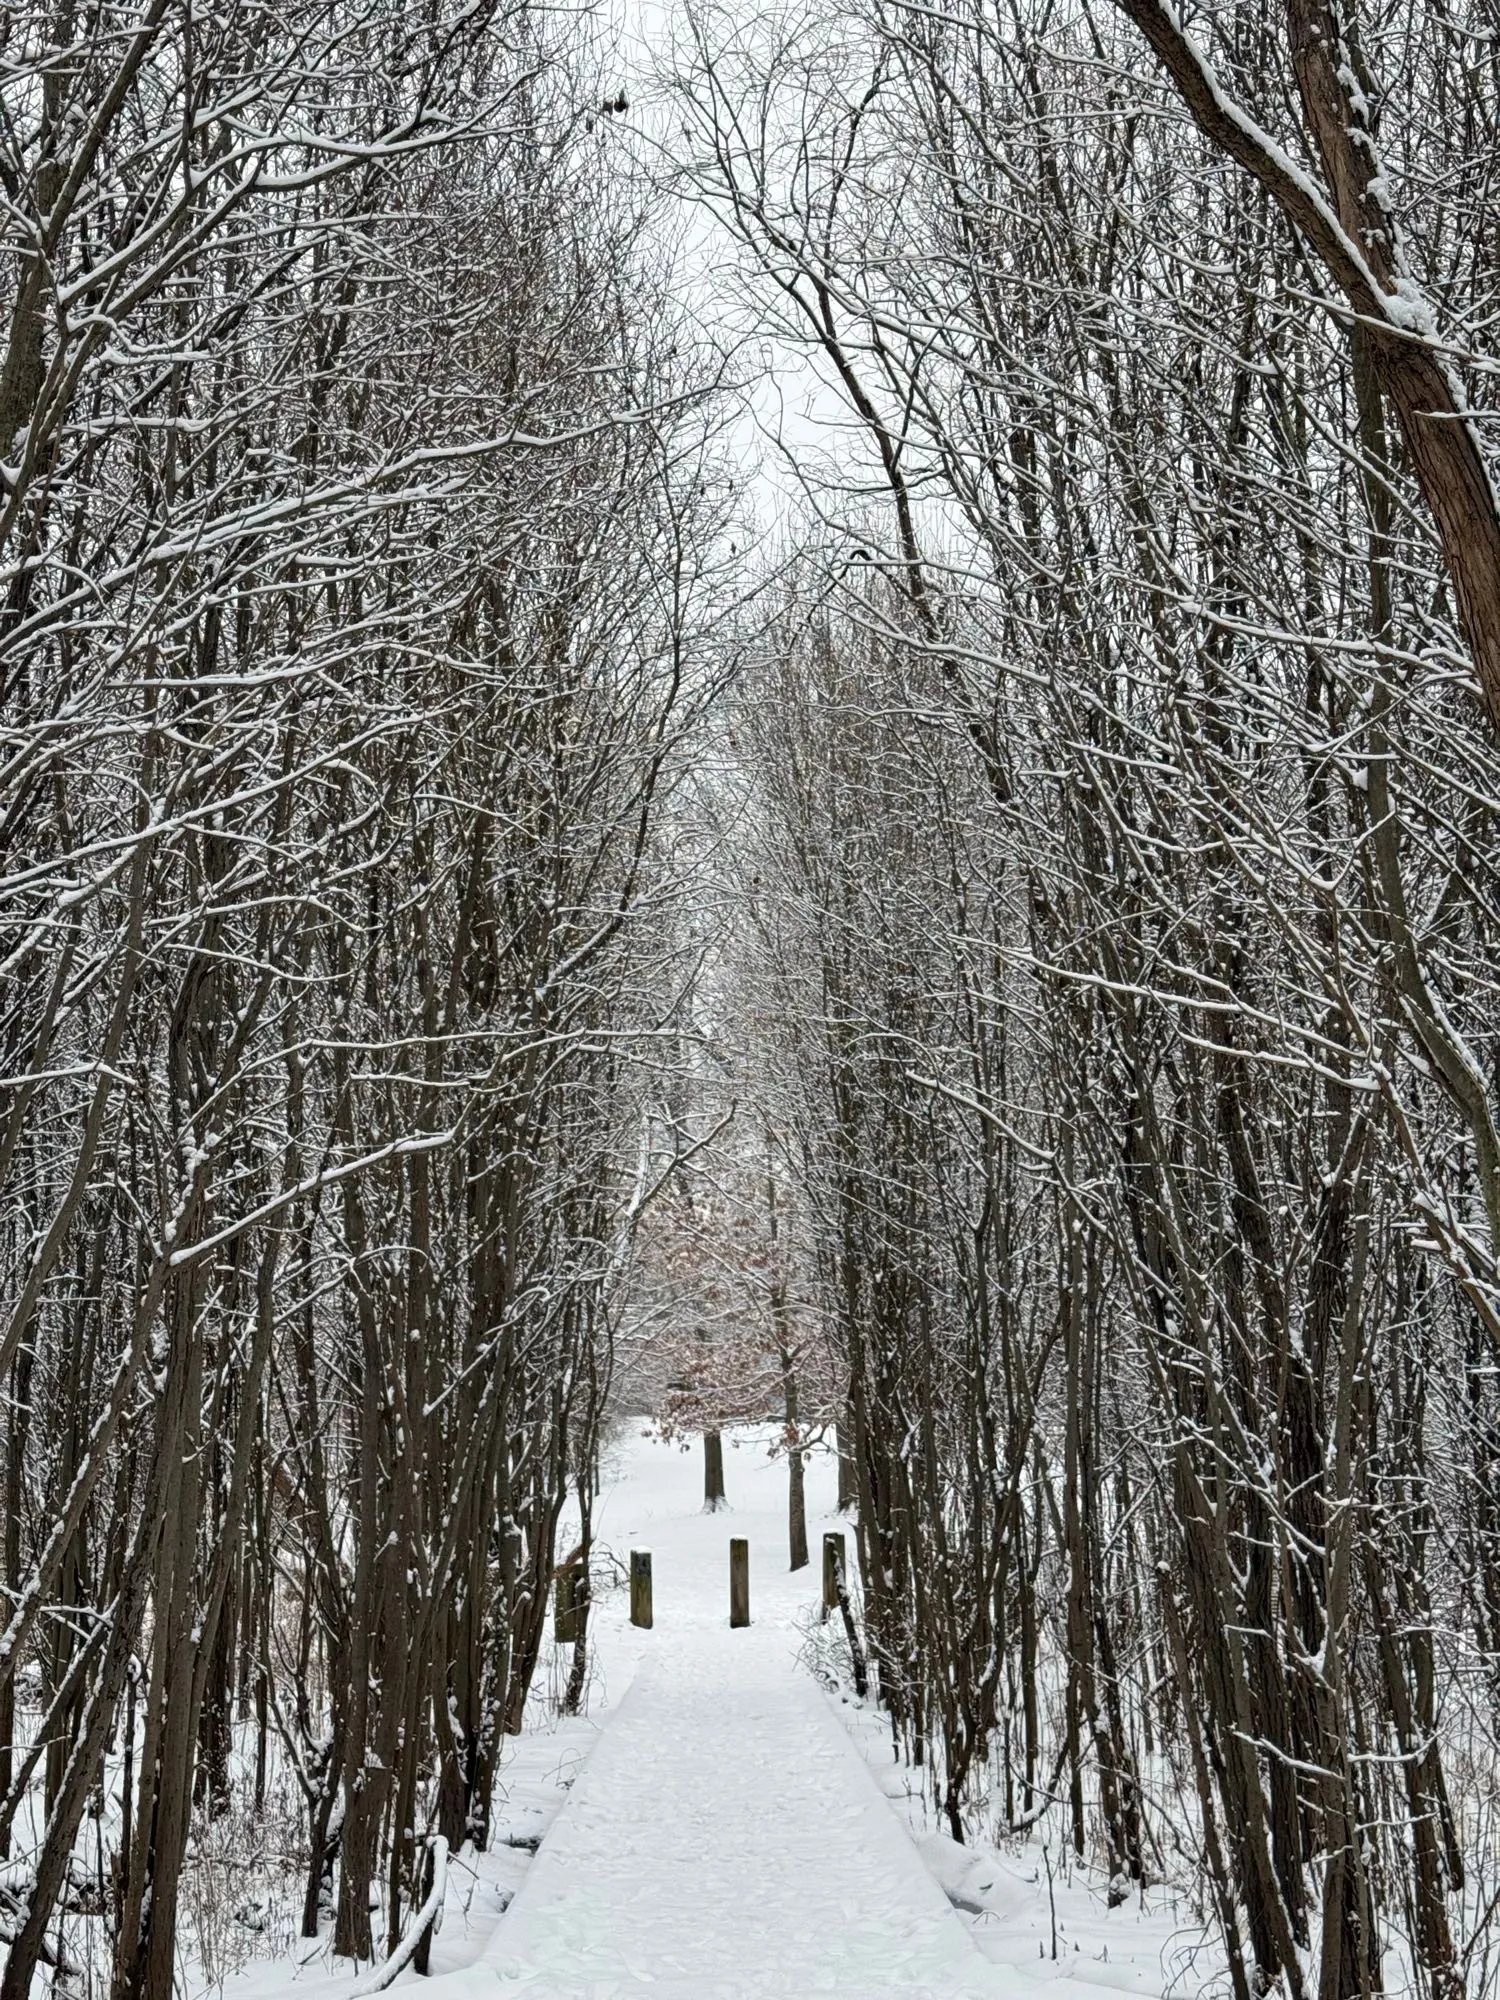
x=726, y=1826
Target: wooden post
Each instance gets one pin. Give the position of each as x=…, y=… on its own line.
x=833, y=1570
x=713, y=1473
x=739, y=1580
x=640, y=1588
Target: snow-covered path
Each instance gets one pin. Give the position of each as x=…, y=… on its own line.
x=729, y=1832
x=725, y=1838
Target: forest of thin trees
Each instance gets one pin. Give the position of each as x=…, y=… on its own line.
x=357, y=529
x=970, y=926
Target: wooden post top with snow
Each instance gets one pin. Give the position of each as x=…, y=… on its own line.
x=640, y=1588
x=739, y=1581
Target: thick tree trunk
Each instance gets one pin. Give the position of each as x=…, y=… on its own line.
x=1354, y=233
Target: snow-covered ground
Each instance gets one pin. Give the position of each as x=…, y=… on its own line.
x=715, y=1833
x=725, y=1841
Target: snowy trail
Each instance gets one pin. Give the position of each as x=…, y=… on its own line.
x=726, y=1840
x=724, y=1834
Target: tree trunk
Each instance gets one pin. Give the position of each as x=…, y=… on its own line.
x=848, y=1484
x=796, y=1471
